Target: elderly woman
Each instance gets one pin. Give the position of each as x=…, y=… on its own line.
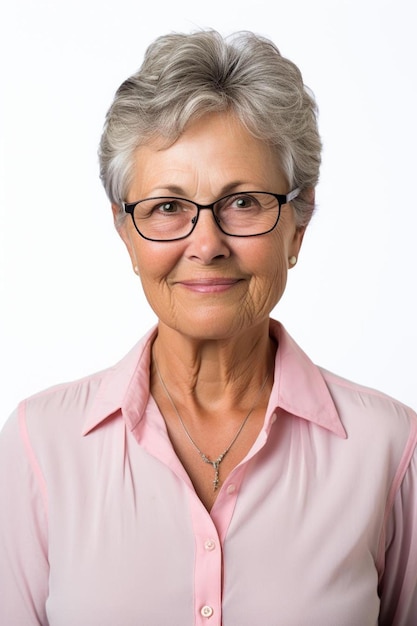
x=215, y=475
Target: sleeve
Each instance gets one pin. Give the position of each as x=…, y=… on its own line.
x=399, y=582
x=23, y=529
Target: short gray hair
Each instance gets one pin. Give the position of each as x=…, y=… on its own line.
x=184, y=76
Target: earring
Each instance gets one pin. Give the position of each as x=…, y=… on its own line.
x=136, y=269
x=292, y=260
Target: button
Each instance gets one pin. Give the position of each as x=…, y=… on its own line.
x=206, y=611
x=209, y=544
x=274, y=418
x=231, y=488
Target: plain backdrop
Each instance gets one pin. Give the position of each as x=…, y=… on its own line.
x=70, y=304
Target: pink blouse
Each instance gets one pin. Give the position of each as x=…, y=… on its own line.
x=100, y=524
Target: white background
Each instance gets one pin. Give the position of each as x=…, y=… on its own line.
x=70, y=304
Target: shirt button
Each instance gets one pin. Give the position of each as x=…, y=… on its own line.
x=209, y=544
x=206, y=611
x=274, y=418
x=231, y=488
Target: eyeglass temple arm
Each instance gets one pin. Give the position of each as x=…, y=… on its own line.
x=293, y=194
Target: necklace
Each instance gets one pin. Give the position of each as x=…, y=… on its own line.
x=216, y=462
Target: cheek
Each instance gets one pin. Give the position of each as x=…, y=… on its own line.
x=154, y=261
x=155, y=264
x=272, y=278
x=271, y=254
x=269, y=268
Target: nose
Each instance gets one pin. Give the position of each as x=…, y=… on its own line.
x=207, y=242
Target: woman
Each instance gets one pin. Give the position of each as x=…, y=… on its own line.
x=215, y=475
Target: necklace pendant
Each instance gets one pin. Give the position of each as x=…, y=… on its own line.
x=216, y=478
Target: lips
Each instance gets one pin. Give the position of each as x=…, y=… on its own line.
x=209, y=285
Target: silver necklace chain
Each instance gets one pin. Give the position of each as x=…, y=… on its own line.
x=216, y=462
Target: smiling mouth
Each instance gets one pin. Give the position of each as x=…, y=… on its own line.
x=209, y=285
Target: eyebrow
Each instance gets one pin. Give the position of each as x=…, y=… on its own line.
x=225, y=190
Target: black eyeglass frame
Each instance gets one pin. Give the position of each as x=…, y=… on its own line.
x=282, y=199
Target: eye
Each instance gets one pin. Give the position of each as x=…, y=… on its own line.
x=169, y=206
x=242, y=202
x=164, y=207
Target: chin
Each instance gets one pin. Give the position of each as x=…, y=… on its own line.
x=212, y=327
x=209, y=331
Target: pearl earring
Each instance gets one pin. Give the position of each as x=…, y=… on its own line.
x=292, y=260
x=136, y=269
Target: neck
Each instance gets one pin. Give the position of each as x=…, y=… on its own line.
x=214, y=373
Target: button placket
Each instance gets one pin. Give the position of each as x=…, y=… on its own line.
x=207, y=567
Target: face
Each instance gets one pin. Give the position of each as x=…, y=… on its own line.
x=211, y=285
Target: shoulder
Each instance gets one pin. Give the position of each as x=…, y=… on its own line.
x=54, y=417
x=372, y=414
x=352, y=394
x=68, y=407
x=309, y=390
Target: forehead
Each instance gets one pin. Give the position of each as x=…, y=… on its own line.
x=214, y=151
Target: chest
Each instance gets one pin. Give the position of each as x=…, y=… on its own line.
x=287, y=537
x=212, y=449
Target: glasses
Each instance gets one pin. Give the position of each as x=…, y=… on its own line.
x=242, y=214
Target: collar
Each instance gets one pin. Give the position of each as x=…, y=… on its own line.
x=124, y=387
x=299, y=386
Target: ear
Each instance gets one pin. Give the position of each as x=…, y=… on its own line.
x=116, y=210
x=296, y=242
x=124, y=230
x=309, y=197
